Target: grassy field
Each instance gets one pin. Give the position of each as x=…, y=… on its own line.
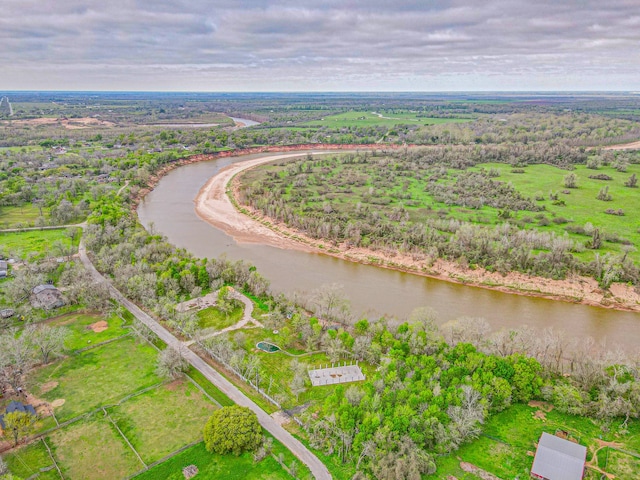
x=580, y=205
x=211, y=317
x=35, y=242
x=96, y=377
x=216, y=466
x=389, y=119
x=174, y=413
x=93, y=449
x=80, y=333
x=159, y=418
x=510, y=439
x=30, y=460
x=10, y=216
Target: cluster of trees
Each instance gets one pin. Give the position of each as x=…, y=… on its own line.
x=362, y=200
x=427, y=396
x=157, y=275
x=21, y=352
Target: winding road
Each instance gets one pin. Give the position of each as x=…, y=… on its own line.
x=318, y=469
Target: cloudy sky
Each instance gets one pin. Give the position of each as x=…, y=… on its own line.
x=332, y=45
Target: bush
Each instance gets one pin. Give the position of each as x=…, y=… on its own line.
x=611, y=211
x=232, y=429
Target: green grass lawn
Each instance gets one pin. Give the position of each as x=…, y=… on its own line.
x=368, y=119
x=212, y=466
x=96, y=377
x=211, y=317
x=163, y=420
x=581, y=205
x=80, y=334
x=35, y=242
x=28, y=213
x=92, y=449
x=511, y=437
x=29, y=460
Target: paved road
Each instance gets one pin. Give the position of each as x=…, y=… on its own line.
x=317, y=468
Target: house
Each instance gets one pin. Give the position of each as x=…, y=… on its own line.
x=558, y=459
x=47, y=297
x=4, y=268
x=16, y=407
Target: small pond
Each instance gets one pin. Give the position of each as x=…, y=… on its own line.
x=267, y=347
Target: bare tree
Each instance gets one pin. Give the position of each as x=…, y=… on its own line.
x=331, y=303
x=16, y=359
x=171, y=363
x=46, y=340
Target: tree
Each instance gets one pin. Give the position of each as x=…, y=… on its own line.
x=15, y=359
x=19, y=424
x=171, y=363
x=604, y=194
x=48, y=341
x=4, y=468
x=232, y=429
x=331, y=303
x=224, y=302
x=297, y=384
x=571, y=180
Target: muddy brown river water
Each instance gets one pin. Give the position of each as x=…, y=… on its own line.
x=373, y=291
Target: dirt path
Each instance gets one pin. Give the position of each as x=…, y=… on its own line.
x=247, y=318
x=246, y=226
x=624, y=146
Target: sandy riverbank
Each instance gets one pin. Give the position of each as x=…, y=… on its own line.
x=214, y=205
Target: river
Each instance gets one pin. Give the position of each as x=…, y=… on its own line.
x=373, y=291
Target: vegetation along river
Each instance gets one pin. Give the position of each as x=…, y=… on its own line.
x=373, y=291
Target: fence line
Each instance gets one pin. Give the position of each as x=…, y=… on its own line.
x=55, y=464
x=123, y=436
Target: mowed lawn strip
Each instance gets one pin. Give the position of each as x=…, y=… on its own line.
x=96, y=377
x=210, y=466
x=92, y=449
x=164, y=419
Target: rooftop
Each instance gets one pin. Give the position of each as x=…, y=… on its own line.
x=558, y=459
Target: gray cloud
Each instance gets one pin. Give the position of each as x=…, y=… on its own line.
x=331, y=45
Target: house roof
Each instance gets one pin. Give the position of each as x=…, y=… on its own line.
x=559, y=459
x=17, y=407
x=42, y=288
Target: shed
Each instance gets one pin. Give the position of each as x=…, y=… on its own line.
x=7, y=313
x=558, y=459
x=16, y=407
x=47, y=297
